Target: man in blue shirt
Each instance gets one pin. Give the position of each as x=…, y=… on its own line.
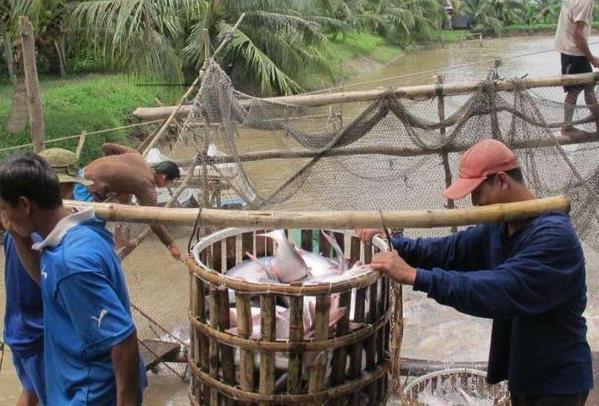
x=24, y=326
x=23, y=318
x=90, y=345
x=528, y=276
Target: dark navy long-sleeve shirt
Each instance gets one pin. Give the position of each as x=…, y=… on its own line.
x=531, y=284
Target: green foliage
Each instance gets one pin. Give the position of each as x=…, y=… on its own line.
x=277, y=45
x=90, y=103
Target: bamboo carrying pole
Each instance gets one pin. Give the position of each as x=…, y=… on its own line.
x=328, y=219
x=409, y=92
x=32, y=85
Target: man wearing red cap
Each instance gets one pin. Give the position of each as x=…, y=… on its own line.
x=528, y=276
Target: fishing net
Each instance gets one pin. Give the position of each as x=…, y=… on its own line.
x=388, y=153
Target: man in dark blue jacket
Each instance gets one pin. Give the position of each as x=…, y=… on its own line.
x=528, y=276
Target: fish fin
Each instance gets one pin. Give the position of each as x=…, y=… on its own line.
x=257, y=261
x=338, y=251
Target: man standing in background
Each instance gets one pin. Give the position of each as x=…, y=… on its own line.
x=571, y=40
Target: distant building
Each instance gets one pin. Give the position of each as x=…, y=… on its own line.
x=462, y=22
x=456, y=21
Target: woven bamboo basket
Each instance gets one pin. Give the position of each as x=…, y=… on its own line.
x=470, y=381
x=347, y=366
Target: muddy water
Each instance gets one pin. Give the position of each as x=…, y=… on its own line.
x=159, y=284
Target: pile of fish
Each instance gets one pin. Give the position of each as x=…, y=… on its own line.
x=293, y=264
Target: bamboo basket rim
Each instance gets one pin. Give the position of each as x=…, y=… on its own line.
x=233, y=340
x=200, y=270
x=323, y=395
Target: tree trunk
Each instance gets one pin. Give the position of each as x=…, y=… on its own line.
x=10, y=61
x=32, y=85
x=18, y=117
x=60, y=51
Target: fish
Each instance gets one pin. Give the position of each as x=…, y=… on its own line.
x=287, y=265
x=293, y=264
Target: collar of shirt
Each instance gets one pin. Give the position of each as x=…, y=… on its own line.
x=64, y=225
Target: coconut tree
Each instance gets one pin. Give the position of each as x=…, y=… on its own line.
x=276, y=39
x=547, y=10
x=483, y=13
x=10, y=11
x=139, y=36
x=164, y=37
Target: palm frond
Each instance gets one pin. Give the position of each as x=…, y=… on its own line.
x=269, y=76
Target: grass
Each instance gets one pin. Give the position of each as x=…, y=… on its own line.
x=343, y=48
x=88, y=102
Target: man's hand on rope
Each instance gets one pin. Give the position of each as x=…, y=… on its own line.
x=391, y=264
x=366, y=234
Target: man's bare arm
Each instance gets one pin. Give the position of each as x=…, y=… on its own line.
x=583, y=45
x=116, y=149
x=125, y=359
x=148, y=198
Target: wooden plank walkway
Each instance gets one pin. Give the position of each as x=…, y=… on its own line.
x=155, y=351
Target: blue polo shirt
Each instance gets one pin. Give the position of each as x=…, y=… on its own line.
x=531, y=284
x=86, y=309
x=23, y=318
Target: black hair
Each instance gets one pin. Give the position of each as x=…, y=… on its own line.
x=515, y=174
x=168, y=168
x=29, y=175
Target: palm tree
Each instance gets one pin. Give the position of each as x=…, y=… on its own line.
x=548, y=10
x=10, y=11
x=483, y=13
x=164, y=37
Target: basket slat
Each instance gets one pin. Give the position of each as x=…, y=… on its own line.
x=296, y=333
x=244, y=325
x=267, y=359
x=320, y=360
x=213, y=359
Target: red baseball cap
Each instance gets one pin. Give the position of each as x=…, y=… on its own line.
x=484, y=158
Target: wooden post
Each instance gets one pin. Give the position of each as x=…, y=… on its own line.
x=493, y=104
x=207, y=47
x=81, y=143
x=32, y=85
x=396, y=338
x=444, y=155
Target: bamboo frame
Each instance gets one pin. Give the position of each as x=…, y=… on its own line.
x=328, y=219
x=408, y=92
x=395, y=151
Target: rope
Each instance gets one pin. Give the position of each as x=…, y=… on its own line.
x=196, y=230
x=427, y=72
x=79, y=135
